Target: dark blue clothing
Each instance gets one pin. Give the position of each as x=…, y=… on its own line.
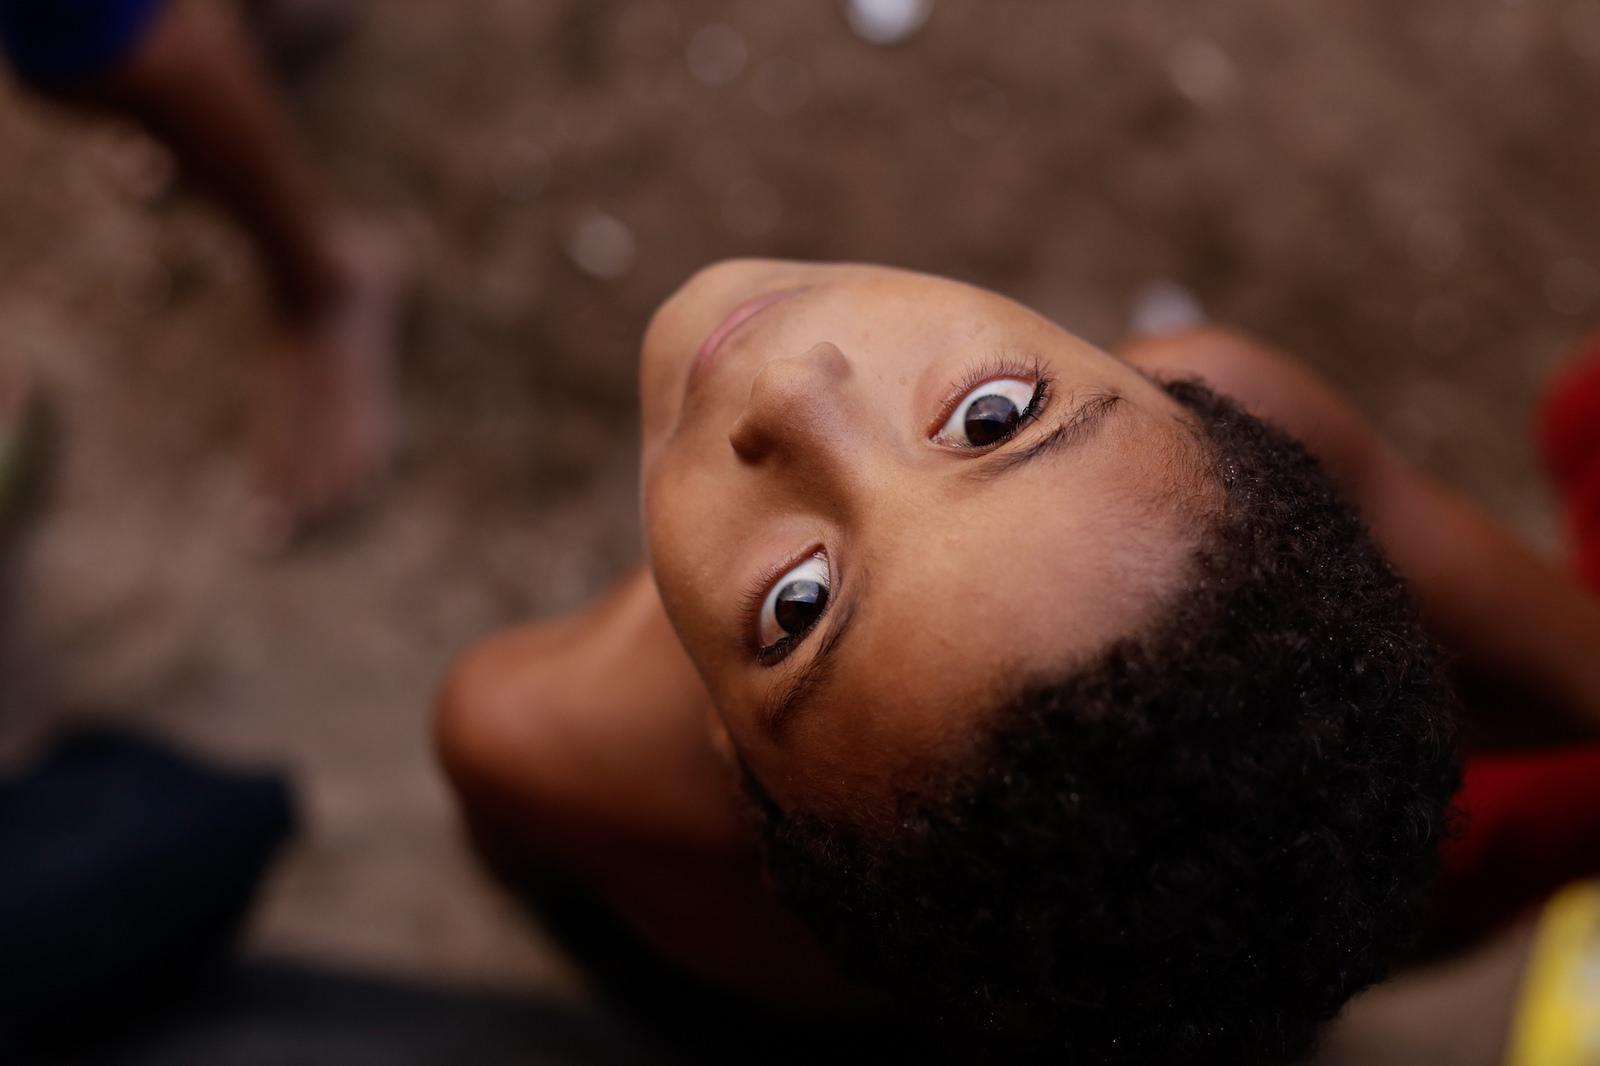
x=62, y=44
x=124, y=870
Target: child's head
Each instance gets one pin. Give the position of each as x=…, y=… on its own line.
x=1079, y=704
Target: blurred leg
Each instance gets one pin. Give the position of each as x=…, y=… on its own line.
x=325, y=412
x=195, y=79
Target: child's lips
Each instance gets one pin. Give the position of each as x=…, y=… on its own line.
x=737, y=318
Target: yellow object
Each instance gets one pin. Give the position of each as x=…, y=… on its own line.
x=1558, y=1019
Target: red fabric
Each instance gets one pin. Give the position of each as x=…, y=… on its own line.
x=1533, y=825
x=1569, y=439
x=1533, y=820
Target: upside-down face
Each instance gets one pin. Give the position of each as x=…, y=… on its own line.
x=878, y=502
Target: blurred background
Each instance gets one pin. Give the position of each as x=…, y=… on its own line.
x=1405, y=195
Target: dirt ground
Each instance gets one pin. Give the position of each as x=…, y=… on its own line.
x=1403, y=194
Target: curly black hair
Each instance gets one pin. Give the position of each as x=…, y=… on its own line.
x=1193, y=848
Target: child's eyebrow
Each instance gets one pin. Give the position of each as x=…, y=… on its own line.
x=1080, y=423
x=790, y=696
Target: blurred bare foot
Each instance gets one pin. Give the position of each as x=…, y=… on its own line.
x=326, y=416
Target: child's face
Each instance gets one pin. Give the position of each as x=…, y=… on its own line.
x=884, y=501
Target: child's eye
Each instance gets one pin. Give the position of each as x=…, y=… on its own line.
x=795, y=602
x=990, y=413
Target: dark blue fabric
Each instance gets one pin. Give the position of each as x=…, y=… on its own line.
x=124, y=870
x=61, y=44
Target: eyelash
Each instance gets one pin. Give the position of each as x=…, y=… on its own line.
x=756, y=595
x=776, y=653
x=994, y=369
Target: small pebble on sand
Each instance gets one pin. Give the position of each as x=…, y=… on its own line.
x=717, y=54
x=602, y=246
x=887, y=22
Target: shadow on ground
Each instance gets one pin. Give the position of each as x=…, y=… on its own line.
x=267, y=1012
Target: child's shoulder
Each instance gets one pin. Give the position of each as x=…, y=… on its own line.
x=1274, y=387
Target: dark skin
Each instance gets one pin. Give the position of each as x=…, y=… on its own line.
x=590, y=743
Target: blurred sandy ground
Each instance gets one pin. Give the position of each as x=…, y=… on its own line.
x=1405, y=194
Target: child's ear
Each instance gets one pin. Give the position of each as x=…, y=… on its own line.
x=721, y=741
